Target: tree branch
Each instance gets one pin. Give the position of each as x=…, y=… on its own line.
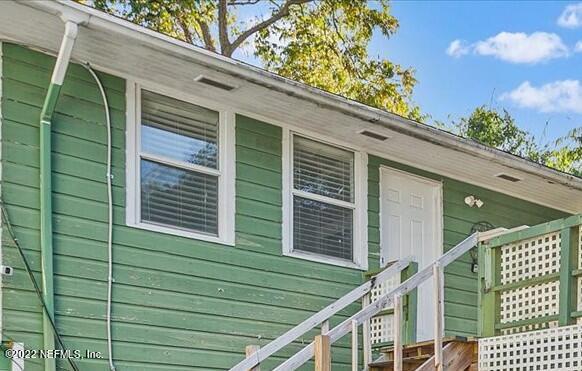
x=282, y=12
x=223, y=28
x=207, y=36
x=185, y=30
x=244, y=2
x=352, y=64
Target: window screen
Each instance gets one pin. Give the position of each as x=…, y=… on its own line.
x=323, y=193
x=179, y=164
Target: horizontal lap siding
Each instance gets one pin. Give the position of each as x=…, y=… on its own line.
x=460, y=283
x=177, y=303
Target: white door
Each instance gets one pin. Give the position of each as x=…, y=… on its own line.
x=411, y=225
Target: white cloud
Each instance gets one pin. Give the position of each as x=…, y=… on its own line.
x=458, y=48
x=517, y=47
x=571, y=17
x=578, y=47
x=557, y=96
x=520, y=47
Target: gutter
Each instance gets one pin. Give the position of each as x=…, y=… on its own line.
x=46, y=212
x=189, y=52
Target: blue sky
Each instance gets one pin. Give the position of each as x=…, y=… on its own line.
x=451, y=86
x=516, y=55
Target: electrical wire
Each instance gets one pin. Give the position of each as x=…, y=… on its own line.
x=110, y=216
x=109, y=176
x=35, y=283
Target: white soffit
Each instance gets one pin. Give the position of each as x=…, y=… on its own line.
x=122, y=48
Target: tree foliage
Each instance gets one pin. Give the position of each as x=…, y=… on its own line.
x=327, y=46
x=566, y=153
x=322, y=43
x=498, y=129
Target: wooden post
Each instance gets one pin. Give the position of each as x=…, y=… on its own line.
x=250, y=350
x=437, y=275
x=355, y=347
x=397, y=333
x=481, y=298
x=489, y=305
x=409, y=307
x=322, y=353
x=367, y=341
x=568, y=263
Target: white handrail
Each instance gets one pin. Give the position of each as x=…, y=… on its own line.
x=319, y=317
x=410, y=284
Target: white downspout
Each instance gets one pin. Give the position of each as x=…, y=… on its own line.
x=64, y=56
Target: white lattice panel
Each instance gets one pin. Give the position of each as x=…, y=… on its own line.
x=381, y=327
x=524, y=260
x=551, y=349
x=530, y=302
x=384, y=287
x=530, y=258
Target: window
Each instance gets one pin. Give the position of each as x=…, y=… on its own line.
x=325, y=216
x=181, y=172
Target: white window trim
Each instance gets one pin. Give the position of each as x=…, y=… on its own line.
x=225, y=171
x=360, y=205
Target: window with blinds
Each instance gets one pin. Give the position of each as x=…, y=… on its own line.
x=323, y=199
x=179, y=171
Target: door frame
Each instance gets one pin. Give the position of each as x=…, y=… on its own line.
x=438, y=209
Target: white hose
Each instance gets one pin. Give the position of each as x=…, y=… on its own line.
x=110, y=217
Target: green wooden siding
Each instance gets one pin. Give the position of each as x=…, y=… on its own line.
x=179, y=303
x=460, y=283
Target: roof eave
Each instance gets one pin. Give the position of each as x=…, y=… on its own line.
x=322, y=98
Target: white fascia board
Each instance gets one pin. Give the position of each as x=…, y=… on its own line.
x=98, y=19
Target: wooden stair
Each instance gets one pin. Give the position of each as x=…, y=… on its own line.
x=459, y=354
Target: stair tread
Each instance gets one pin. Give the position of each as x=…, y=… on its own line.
x=418, y=354
x=446, y=339
x=408, y=360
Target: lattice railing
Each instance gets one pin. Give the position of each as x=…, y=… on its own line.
x=550, y=349
x=531, y=279
x=530, y=260
x=380, y=328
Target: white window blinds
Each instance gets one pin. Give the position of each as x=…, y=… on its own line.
x=179, y=164
x=323, y=199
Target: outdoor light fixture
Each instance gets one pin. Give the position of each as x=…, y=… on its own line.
x=473, y=201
